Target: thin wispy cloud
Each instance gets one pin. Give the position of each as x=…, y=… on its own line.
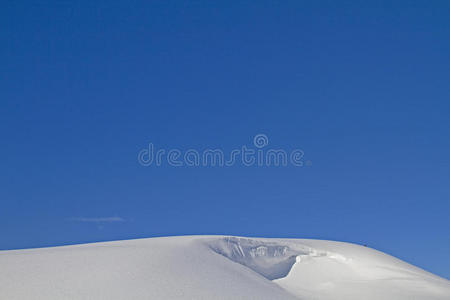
x=98, y=219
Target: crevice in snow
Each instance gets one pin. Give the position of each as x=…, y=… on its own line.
x=270, y=259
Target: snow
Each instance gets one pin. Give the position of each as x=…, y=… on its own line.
x=214, y=267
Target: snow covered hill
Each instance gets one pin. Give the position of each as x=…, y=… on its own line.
x=214, y=267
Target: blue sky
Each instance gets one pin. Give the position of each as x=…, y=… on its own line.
x=361, y=88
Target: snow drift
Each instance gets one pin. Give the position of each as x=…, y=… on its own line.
x=214, y=267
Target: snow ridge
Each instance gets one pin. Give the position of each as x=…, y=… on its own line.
x=214, y=267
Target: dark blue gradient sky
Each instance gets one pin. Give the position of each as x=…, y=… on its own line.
x=362, y=87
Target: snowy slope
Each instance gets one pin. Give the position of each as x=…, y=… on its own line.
x=214, y=267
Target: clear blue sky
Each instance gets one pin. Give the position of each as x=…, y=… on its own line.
x=362, y=88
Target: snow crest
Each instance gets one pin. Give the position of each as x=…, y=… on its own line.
x=216, y=268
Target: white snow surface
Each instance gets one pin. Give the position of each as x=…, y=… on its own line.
x=214, y=267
